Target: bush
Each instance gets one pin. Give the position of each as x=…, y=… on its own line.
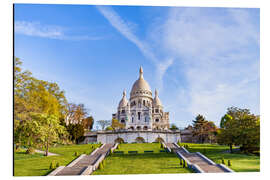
x=100, y=165
x=52, y=166
x=184, y=163
x=229, y=163
x=76, y=153
x=181, y=162
x=161, y=146
x=57, y=164
x=222, y=161
x=30, y=150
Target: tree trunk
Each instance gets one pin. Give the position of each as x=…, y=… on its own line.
x=47, y=149
x=231, y=148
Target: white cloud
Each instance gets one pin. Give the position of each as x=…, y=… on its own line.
x=37, y=29
x=220, y=53
x=217, y=51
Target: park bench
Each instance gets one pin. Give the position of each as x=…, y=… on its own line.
x=118, y=152
x=132, y=152
x=148, y=151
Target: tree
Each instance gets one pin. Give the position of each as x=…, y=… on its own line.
x=103, y=123
x=76, y=113
x=32, y=97
x=48, y=129
x=116, y=124
x=109, y=128
x=88, y=122
x=174, y=127
x=240, y=127
x=76, y=131
x=203, y=129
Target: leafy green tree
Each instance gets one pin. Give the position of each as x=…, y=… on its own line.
x=174, y=127
x=48, y=129
x=203, y=129
x=109, y=128
x=33, y=96
x=76, y=131
x=116, y=124
x=240, y=127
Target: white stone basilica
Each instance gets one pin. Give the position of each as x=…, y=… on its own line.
x=142, y=111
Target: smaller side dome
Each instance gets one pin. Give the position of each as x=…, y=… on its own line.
x=156, y=101
x=124, y=101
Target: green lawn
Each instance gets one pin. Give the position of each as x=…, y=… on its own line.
x=142, y=163
x=240, y=162
x=153, y=163
x=38, y=165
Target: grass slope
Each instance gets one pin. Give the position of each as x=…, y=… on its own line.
x=38, y=165
x=240, y=162
x=153, y=163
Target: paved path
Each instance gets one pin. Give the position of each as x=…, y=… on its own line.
x=194, y=158
x=83, y=163
x=43, y=152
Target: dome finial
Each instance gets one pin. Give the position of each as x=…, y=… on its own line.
x=156, y=92
x=124, y=93
x=141, y=72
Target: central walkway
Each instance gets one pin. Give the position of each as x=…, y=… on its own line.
x=194, y=158
x=83, y=163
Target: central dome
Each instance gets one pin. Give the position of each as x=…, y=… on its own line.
x=141, y=87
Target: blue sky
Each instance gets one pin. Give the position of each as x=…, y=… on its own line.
x=202, y=60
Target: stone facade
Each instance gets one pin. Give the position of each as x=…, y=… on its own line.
x=134, y=136
x=142, y=111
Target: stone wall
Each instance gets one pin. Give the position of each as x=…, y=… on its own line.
x=131, y=136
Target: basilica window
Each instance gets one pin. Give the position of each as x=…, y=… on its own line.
x=156, y=110
x=139, y=115
x=157, y=120
x=144, y=102
x=132, y=119
x=122, y=120
x=145, y=119
x=123, y=111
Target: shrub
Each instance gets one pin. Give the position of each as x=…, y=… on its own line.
x=30, y=150
x=57, y=164
x=100, y=165
x=76, y=153
x=52, y=166
x=161, y=145
x=181, y=162
x=229, y=163
x=222, y=161
x=184, y=163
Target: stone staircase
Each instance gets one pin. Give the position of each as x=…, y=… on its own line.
x=204, y=164
x=84, y=162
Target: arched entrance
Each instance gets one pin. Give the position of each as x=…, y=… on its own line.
x=159, y=139
x=138, y=127
x=119, y=140
x=139, y=140
x=145, y=128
